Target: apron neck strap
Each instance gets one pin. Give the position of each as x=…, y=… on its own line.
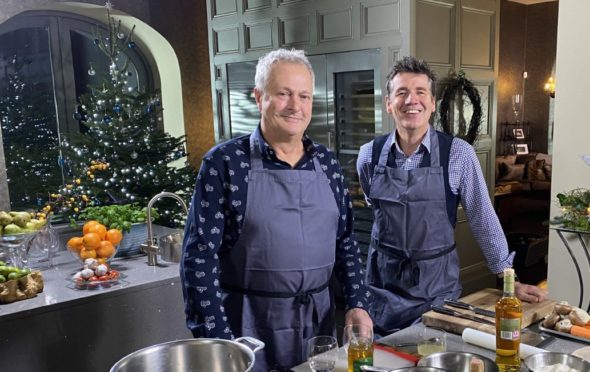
x=255, y=153
x=386, y=149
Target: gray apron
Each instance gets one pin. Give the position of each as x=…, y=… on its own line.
x=412, y=259
x=276, y=276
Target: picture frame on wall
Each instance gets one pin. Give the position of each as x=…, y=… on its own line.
x=518, y=133
x=521, y=149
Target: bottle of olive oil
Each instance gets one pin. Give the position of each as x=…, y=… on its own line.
x=508, y=325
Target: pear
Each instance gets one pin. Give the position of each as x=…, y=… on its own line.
x=12, y=229
x=5, y=218
x=30, y=226
x=21, y=219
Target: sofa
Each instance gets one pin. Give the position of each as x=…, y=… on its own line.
x=523, y=192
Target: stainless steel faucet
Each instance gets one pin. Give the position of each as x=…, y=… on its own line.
x=149, y=247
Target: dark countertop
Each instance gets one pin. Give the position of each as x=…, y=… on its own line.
x=59, y=290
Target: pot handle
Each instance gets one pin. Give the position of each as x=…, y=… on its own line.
x=258, y=345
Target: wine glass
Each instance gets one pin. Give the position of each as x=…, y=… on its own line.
x=322, y=353
x=516, y=105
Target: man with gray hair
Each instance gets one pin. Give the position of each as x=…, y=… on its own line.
x=270, y=221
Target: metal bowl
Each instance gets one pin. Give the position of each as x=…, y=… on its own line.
x=404, y=369
x=537, y=361
x=456, y=361
x=196, y=355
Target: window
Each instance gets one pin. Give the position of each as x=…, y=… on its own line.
x=47, y=60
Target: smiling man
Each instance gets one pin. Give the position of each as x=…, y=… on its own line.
x=414, y=179
x=270, y=221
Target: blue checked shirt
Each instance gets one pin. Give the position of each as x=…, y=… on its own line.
x=465, y=180
x=216, y=217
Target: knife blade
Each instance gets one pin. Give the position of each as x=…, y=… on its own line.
x=447, y=311
x=475, y=309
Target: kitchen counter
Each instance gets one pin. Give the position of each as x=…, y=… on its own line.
x=65, y=328
x=454, y=343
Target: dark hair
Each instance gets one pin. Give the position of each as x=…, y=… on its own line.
x=413, y=65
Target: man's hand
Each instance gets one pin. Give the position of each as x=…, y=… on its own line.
x=358, y=316
x=530, y=293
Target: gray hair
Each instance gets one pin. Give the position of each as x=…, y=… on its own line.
x=280, y=55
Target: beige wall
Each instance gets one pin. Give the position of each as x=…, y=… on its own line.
x=572, y=138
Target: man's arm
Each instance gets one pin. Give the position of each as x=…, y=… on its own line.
x=348, y=267
x=364, y=168
x=199, y=268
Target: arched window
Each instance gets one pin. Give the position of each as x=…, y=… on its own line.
x=47, y=60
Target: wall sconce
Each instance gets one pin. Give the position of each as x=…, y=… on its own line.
x=549, y=87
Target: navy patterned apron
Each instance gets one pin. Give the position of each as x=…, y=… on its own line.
x=276, y=276
x=412, y=260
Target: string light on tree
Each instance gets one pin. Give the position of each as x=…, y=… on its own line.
x=122, y=126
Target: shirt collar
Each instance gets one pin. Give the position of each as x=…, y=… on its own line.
x=267, y=151
x=425, y=144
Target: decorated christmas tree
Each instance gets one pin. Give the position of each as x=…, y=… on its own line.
x=29, y=135
x=121, y=126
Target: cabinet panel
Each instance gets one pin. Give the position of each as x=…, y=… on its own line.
x=477, y=38
x=226, y=41
x=435, y=32
x=335, y=25
x=380, y=18
x=258, y=36
x=294, y=30
x=223, y=7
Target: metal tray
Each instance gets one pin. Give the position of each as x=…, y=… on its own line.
x=563, y=334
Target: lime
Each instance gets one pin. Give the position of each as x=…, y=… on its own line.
x=2, y=278
x=13, y=276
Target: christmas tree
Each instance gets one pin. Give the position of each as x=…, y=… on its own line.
x=120, y=125
x=29, y=134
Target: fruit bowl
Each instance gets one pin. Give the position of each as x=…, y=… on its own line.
x=14, y=248
x=95, y=275
x=97, y=242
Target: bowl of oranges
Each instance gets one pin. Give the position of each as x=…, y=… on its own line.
x=97, y=242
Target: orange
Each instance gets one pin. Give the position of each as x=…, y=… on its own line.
x=91, y=240
x=87, y=253
x=101, y=260
x=87, y=226
x=106, y=249
x=114, y=236
x=98, y=228
x=76, y=243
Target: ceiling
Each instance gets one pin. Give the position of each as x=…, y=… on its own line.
x=531, y=2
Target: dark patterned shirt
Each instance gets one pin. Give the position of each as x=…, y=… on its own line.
x=216, y=217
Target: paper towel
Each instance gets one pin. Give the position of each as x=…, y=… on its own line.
x=488, y=341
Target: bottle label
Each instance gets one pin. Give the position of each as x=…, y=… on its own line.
x=362, y=362
x=510, y=329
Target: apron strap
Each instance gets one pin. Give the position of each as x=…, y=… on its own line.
x=255, y=154
x=302, y=298
x=409, y=263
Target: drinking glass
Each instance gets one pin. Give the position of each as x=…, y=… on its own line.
x=357, y=339
x=322, y=353
x=516, y=105
x=432, y=340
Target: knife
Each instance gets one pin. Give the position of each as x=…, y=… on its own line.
x=475, y=309
x=444, y=310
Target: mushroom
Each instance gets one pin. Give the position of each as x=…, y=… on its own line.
x=551, y=319
x=579, y=317
x=563, y=308
x=563, y=326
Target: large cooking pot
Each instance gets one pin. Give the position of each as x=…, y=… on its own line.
x=195, y=355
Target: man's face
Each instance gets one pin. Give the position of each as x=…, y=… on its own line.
x=286, y=105
x=410, y=102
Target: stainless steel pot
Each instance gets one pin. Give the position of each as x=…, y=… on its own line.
x=170, y=247
x=404, y=369
x=195, y=355
x=456, y=361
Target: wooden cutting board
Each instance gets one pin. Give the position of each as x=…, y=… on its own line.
x=486, y=299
